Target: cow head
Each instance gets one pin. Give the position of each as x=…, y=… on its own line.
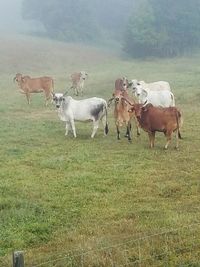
x=58, y=98
x=138, y=109
x=18, y=77
x=124, y=83
x=136, y=87
x=120, y=95
x=83, y=75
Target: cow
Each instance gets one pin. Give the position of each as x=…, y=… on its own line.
x=78, y=81
x=91, y=109
x=30, y=85
x=121, y=84
x=156, y=119
x=121, y=112
x=157, y=93
x=139, y=85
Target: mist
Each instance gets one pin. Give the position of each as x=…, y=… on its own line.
x=138, y=28
x=11, y=20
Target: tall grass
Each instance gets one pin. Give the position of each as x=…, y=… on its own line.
x=59, y=194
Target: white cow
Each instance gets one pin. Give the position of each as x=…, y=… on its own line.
x=78, y=81
x=137, y=86
x=91, y=109
x=163, y=98
x=157, y=93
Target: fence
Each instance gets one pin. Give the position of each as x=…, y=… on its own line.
x=176, y=247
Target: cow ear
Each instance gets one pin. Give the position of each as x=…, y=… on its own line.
x=144, y=109
x=130, y=84
x=144, y=93
x=147, y=106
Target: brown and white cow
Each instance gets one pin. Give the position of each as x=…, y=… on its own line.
x=156, y=119
x=30, y=85
x=121, y=111
x=78, y=81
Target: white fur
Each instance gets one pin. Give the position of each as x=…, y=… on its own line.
x=71, y=110
x=157, y=93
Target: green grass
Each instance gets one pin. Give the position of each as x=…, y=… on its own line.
x=59, y=194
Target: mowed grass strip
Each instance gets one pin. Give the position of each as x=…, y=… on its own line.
x=58, y=193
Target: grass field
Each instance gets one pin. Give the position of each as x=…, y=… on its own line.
x=62, y=197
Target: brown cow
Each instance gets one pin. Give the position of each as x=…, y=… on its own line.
x=30, y=85
x=121, y=112
x=156, y=119
x=78, y=80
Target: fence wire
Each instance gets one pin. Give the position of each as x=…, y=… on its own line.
x=175, y=247
x=166, y=247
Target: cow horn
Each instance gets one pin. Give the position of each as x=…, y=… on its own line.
x=145, y=103
x=110, y=101
x=65, y=93
x=14, y=79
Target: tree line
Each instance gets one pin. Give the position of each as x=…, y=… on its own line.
x=162, y=28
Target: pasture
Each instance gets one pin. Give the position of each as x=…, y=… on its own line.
x=62, y=197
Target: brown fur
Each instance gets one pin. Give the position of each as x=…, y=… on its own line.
x=154, y=119
x=30, y=85
x=78, y=80
x=121, y=112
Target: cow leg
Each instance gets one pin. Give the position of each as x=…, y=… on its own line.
x=81, y=89
x=118, y=132
x=28, y=98
x=72, y=124
x=95, y=127
x=47, y=97
x=129, y=131
x=137, y=126
x=76, y=91
x=151, y=138
x=138, y=131
x=169, y=137
x=67, y=128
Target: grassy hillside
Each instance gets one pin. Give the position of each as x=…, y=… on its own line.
x=60, y=197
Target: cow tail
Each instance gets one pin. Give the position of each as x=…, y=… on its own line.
x=106, y=114
x=173, y=100
x=52, y=86
x=178, y=116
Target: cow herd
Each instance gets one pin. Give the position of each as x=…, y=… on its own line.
x=150, y=105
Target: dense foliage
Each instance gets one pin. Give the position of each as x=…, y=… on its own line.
x=79, y=20
x=163, y=28
x=144, y=27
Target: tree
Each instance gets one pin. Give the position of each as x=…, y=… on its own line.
x=163, y=28
x=63, y=19
x=80, y=20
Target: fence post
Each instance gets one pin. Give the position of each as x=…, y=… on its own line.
x=18, y=259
